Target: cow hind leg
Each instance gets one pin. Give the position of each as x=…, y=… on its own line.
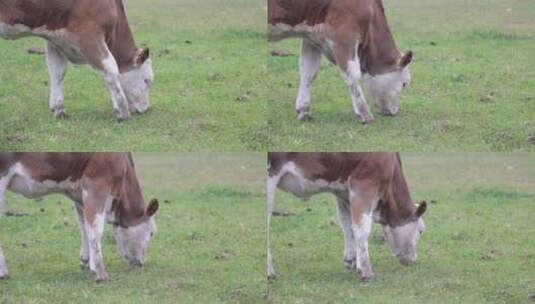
x=57, y=65
x=272, y=183
x=346, y=57
x=344, y=216
x=102, y=60
x=309, y=64
x=84, y=248
x=362, y=199
x=4, y=274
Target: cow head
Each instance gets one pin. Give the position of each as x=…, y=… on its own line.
x=385, y=89
x=137, y=82
x=133, y=241
x=403, y=239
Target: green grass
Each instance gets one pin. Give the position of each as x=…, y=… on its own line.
x=478, y=247
x=209, y=59
x=473, y=85
x=208, y=248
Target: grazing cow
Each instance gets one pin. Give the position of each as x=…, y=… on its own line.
x=368, y=187
x=104, y=187
x=352, y=34
x=84, y=31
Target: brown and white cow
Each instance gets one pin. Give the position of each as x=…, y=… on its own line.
x=84, y=31
x=352, y=34
x=104, y=187
x=368, y=187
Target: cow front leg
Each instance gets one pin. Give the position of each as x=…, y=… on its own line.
x=4, y=182
x=309, y=64
x=94, y=218
x=361, y=197
x=102, y=60
x=4, y=274
x=84, y=248
x=344, y=216
x=94, y=226
x=57, y=65
x=347, y=59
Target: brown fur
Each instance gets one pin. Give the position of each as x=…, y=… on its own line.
x=349, y=21
x=89, y=20
x=102, y=173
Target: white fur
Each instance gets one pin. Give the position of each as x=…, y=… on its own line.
x=309, y=64
x=84, y=248
x=403, y=239
x=110, y=74
x=386, y=89
x=272, y=182
x=3, y=266
x=57, y=64
x=133, y=241
x=94, y=232
x=136, y=84
x=344, y=215
x=22, y=183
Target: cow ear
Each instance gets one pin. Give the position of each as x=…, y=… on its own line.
x=142, y=56
x=405, y=59
x=153, y=207
x=421, y=209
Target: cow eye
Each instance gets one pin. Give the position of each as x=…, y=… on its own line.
x=151, y=234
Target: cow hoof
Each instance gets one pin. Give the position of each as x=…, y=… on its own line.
x=271, y=277
x=84, y=264
x=304, y=117
x=350, y=264
x=101, y=278
x=59, y=113
x=121, y=118
x=367, y=120
x=4, y=277
x=365, y=278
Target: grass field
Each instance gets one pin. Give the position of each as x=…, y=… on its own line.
x=478, y=247
x=473, y=85
x=209, y=247
x=209, y=59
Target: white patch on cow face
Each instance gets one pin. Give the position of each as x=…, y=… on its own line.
x=136, y=85
x=403, y=240
x=133, y=241
x=385, y=89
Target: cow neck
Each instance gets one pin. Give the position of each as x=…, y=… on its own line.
x=128, y=204
x=396, y=207
x=377, y=51
x=121, y=42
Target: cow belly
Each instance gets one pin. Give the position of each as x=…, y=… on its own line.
x=59, y=38
x=23, y=184
x=304, y=188
x=8, y=31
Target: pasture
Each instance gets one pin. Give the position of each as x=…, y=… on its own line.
x=208, y=248
x=478, y=247
x=209, y=60
x=473, y=85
